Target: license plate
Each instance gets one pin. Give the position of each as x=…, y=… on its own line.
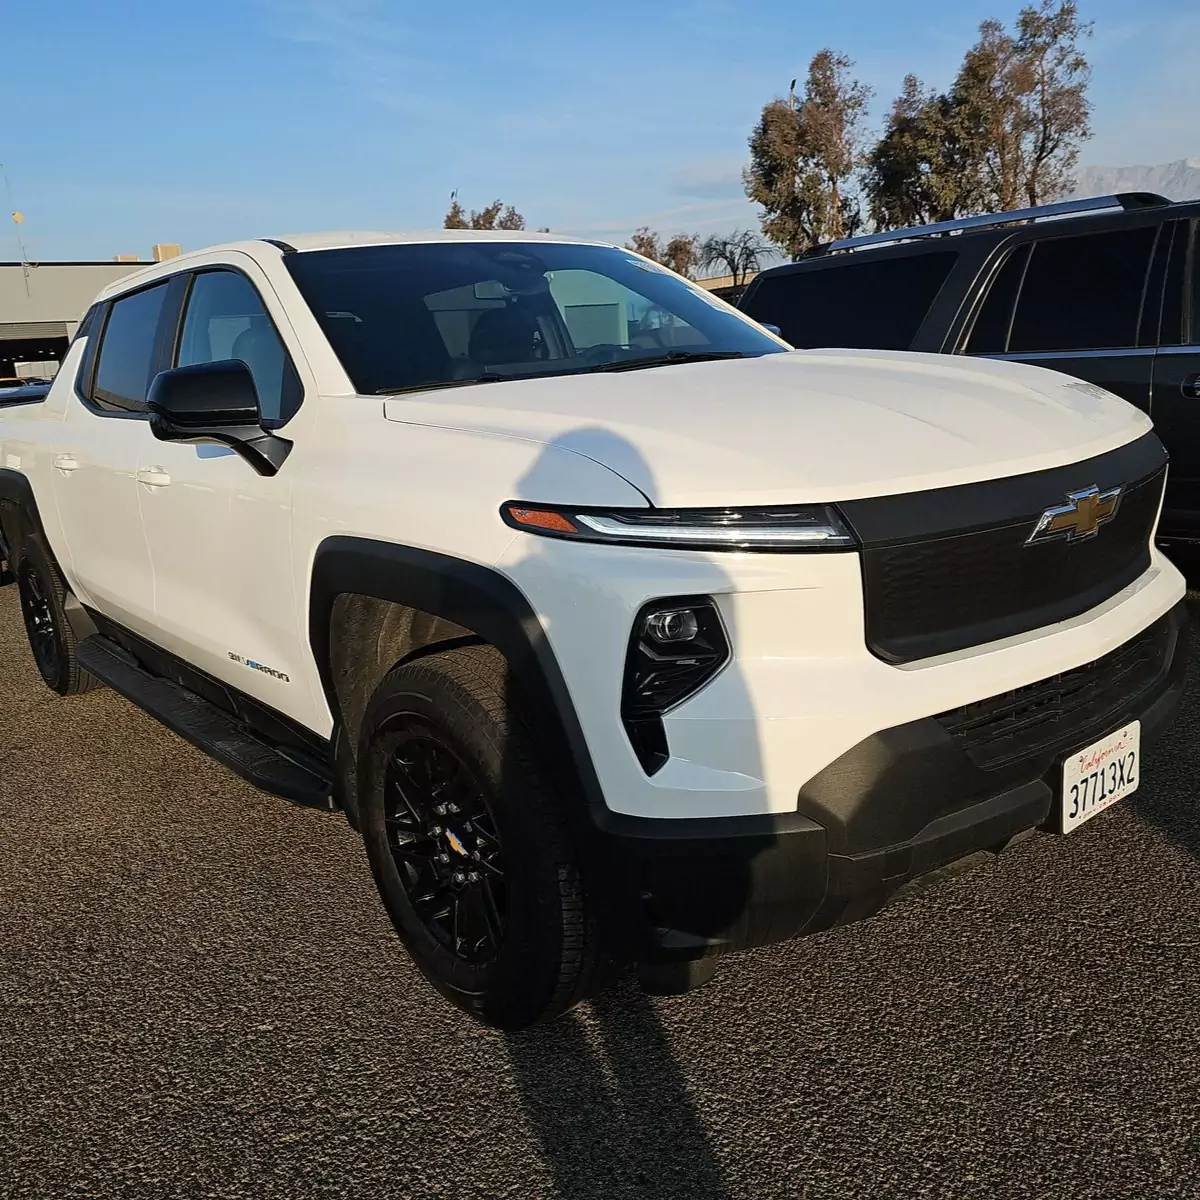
x=1095, y=778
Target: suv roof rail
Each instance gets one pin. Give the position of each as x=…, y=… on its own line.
x=1129, y=201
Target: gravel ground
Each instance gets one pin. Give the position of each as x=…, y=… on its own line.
x=200, y=996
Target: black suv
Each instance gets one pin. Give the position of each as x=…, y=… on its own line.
x=1105, y=289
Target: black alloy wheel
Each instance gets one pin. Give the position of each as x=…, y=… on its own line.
x=461, y=809
x=38, y=611
x=44, y=598
x=444, y=842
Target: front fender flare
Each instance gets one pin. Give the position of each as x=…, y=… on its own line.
x=475, y=597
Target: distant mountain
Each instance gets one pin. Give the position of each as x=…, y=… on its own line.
x=1176, y=180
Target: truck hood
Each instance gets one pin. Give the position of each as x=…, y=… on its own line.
x=801, y=427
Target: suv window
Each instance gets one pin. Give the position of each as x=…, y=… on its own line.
x=990, y=335
x=127, y=350
x=875, y=304
x=226, y=319
x=1194, y=299
x=1083, y=293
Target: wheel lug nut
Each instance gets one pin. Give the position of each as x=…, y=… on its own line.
x=459, y=877
x=440, y=809
x=443, y=857
x=435, y=831
x=452, y=808
x=473, y=876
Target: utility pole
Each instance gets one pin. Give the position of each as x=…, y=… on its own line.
x=18, y=219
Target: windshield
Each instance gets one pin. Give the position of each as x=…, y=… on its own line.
x=409, y=317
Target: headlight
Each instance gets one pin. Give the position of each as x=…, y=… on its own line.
x=677, y=646
x=811, y=527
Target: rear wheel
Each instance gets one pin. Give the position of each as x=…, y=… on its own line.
x=469, y=845
x=43, y=596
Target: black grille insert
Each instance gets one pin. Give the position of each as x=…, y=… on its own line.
x=1058, y=713
x=948, y=569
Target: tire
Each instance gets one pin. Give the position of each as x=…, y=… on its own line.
x=515, y=940
x=52, y=641
x=345, y=789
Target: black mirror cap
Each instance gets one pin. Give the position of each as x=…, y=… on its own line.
x=206, y=395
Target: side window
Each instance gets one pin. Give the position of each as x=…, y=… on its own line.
x=127, y=351
x=990, y=335
x=1194, y=298
x=1083, y=293
x=226, y=319
x=866, y=304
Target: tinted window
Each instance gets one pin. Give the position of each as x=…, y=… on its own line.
x=408, y=317
x=1171, y=331
x=1194, y=302
x=990, y=335
x=127, y=350
x=867, y=304
x=225, y=319
x=1083, y=293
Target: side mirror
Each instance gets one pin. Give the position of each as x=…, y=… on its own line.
x=772, y=328
x=215, y=402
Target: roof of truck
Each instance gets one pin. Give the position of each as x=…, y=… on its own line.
x=338, y=240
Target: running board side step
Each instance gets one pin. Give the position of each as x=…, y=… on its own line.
x=208, y=728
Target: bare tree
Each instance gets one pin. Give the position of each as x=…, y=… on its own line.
x=803, y=158
x=738, y=254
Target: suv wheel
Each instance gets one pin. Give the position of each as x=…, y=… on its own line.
x=43, y=594
x=468, y=842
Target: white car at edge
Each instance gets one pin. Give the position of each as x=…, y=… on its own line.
x=622, y=632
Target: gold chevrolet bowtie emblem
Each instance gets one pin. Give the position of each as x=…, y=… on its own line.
x=1082, y=515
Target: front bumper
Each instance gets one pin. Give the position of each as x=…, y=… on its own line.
x=901, y=803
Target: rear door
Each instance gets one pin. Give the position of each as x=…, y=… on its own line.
x=1175, y=405
x=94, y=467
x=1085, y=304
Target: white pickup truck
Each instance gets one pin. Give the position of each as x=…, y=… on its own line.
x=623, y=633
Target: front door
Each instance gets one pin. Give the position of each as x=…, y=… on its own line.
x=1176, y=402
x=219, y=533
x=1080, y=310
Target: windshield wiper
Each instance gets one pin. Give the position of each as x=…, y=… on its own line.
x=672, y=356
x=430, y=384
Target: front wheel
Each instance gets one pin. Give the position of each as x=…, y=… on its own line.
x=468, y=842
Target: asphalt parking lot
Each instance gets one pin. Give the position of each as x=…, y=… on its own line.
x=201, y=997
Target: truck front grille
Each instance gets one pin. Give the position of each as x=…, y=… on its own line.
x=948, y=569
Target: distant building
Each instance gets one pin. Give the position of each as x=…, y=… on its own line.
x=41, y=304
x=723, y=286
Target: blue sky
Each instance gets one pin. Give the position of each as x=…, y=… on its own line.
x=129, y=123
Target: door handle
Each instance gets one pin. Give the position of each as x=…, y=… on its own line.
x=154, y=477
x=66, y=463
x=1190, y=387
